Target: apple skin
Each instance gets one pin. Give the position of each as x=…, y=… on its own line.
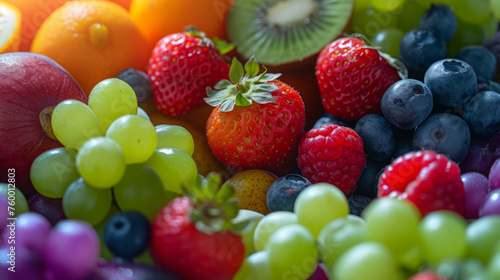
x=29, y=83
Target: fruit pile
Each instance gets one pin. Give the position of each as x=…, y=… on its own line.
x=235, y=139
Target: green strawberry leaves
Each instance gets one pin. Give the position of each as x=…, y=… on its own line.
x=222, y=46
x=245, y=86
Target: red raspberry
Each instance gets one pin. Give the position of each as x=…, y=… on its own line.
x=333, y=154
x=430, y=180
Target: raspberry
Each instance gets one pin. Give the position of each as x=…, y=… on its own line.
x=429, y=180
x=333, y=154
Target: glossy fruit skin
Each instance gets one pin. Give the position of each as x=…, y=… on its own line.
x=420, y=48
x=332, y=154
x=482, y=60
x=180, y=68
x=177, y=246
x=482, y=113
x=429, y=180
x=29, y=83
x=352, y=78
x=259, y=136
x=440, y=19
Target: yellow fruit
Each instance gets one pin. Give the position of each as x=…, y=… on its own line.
x=93, y=40
x=251, y=188
x=10, y=27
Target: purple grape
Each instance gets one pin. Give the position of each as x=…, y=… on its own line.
x=494, y=176
x=491, y=204
x=479, y=158
x=49, y=207
x=32, y=230
x=27, y=264
x=319, y=273
x=127, y=270
x=4, y=204
x=476, y=187
x=71, y=250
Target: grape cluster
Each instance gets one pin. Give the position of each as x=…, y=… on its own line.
x=112, y=154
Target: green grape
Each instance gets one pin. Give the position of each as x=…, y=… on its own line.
x=318, y=205
x=466, y=34
x=370, y=20
x=111, y=99
x=136, y=136
x=81, y=201
x=495, y=7
x=141, y=113
x=269, y=224
x=427, y=3
x=355, y=219
x=361, y=4
x=101, y=162
x=53, y=170
x=105, y=252
x=292, y=252
x=482, y=235
x=367, y=260
x=174, y=136
x=15, y=197
x=472, y=11
x=410, y=16
x=254, y=267
x=493, y=268
x=73, y=123
x=490, y=26
x=393, y=223
x=387, y=5
x=140, y=189
x=176, y=168
x=442, y=235
x=243, y=215
x=338, y=236
x=388, y=39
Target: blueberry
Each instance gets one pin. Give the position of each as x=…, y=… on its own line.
x=139, y=81
x=378, y=139
x=126, y=234
x=329, y=119
x=404, y=142
x=358, y=203
x=445, y=134
x=452, y=81
x=367, y=183
x=440, y=19
x=407, y=103
x=482, y=60
x=420, y=47
x=482, y=113
x=283, y=192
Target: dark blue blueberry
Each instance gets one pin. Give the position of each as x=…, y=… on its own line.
x=284, y=191
x=445, y=134
x=452, y=81
x=367, y=183
x=139, y=81
x=329, y=119
x=407, y=103
x=482, y=113
x=420, y=47
x=358, y=203
x=126, y=234
x=377, y=135
x=404, y=142
x=483, y=85
x=482, y=60
x=440, y=19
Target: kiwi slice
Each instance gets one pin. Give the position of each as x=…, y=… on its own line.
x=284, y=31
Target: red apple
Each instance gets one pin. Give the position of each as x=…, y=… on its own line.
x=30, y=85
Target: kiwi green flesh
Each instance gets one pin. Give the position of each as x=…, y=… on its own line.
x=279, y=32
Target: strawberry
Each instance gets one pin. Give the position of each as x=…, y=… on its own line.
x=352, y=77
x=429, y=180
x=181, y=66
x=194, y=237
x=332, y=154
x=257, y=121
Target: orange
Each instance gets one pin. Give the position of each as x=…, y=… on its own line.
x=10, y=27
x=158, y=18
x=93, y=40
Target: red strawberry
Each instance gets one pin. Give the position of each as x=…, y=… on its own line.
x=332, y=154
x=427, y=275
x=352, y=77
x=194, y=237
x=257, y=122
x=430, y=180
x=181, y=66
